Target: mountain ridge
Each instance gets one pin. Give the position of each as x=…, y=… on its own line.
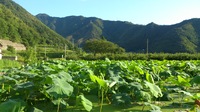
x=18, y=25
x=180, y=37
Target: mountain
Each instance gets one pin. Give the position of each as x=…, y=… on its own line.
x=18, y=25
x=180, y=37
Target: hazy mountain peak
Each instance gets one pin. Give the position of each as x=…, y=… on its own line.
x=43, y=14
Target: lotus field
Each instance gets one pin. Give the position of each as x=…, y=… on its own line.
x=78, y=86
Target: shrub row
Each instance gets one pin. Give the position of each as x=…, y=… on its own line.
x=136, y=56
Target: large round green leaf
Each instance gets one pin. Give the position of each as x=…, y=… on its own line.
x=12, y=106
x=155, y=90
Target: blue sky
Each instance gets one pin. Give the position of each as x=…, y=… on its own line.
x=163, y=12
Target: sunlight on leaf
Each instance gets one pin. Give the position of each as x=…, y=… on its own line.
x=185, y=93
x=60, y=88
x=87, y=104
x=155, y=90
x=95, y=79
x=149, y=78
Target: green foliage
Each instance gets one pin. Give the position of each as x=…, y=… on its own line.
x=9, y=64
x=142, y=56
x=155, y=90
x=56, y=82
x=196, y=96
x=31, y=86
x=121, y=99
x=20, y=26
x=181, y=37
x=62, y=88
x=149, y=78
x=87, y=104
x=196, y=79
x=183, y=81
x=102, y=86
x=154, y=108
x=12, y=106
x=102, y=46
x=11, y=49
x=30, y=56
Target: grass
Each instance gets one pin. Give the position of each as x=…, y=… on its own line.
x=4, y=64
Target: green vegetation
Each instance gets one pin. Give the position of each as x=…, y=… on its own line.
x=49, y=52
x=34, y=54
x=119, y=85
x=141, y=83
x=102, y=46
x=4, y=64
x=181, y=37
x=11, y=49
x=20, y=26
x=133, y=56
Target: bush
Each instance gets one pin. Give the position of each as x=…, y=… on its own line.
x=11, y=49
x=9, y=64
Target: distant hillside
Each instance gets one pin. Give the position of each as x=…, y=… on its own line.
x=181, y=37
x=17, y=25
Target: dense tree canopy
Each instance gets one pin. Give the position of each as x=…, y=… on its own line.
x=102, y=46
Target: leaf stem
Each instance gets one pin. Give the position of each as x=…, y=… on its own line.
x=102, y=96
x=58, y=108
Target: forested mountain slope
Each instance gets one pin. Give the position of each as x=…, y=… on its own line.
x=18, y=25
x=180, y=37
